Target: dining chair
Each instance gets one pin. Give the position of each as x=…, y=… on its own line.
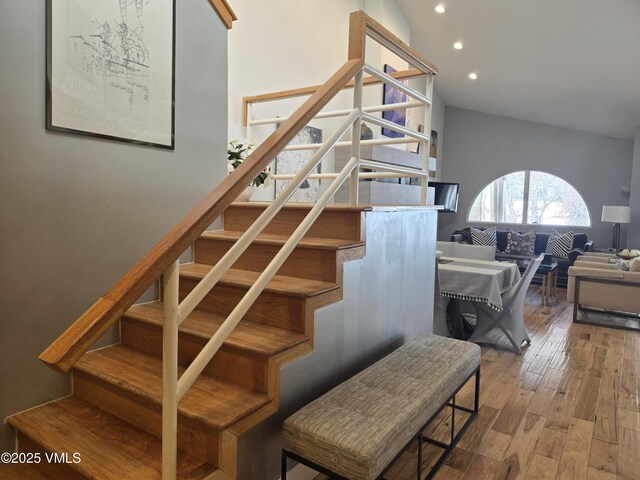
x=511, y=319
x=463, y=250
x=474, y=252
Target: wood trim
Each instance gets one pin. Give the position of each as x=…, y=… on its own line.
x=79, y=337
x=357, y=34
x=298, y=92
x=387, y=39
x=224, y=11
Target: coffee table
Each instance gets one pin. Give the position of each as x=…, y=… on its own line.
x=548, y=275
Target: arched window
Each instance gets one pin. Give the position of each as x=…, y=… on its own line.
x=530, y=197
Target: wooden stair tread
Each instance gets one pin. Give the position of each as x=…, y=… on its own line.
x=255, y=337
x=292, y=286
x=213, y=402
x=306, y=206
x=109, y=447
x=19, y=471
x=273, y=239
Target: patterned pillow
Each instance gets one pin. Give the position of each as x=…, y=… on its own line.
x=559, y=245
x=486, y=238
x=521, y=243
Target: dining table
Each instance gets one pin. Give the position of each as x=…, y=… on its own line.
x=474, y=280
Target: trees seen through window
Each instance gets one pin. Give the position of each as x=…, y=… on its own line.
x=530, y=197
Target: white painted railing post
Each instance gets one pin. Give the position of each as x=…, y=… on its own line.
x=426, y=146
x=248, y=129
x=355, y=139
x=170, y=373
x=424, y=181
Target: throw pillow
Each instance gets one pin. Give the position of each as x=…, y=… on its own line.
x=559, y=244
x=634, y=265
x=521, y=243
x=486, y=238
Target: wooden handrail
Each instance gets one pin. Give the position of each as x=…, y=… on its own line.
x=84, y=332
x=361, y=25
x=299, y=92
x=224, y=11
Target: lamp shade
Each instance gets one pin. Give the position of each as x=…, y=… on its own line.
x=616, y=214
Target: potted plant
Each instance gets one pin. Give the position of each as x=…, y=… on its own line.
x=237, y=152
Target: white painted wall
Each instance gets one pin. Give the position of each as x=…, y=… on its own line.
x=284, y=44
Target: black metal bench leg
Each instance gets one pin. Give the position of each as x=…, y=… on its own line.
x=453, y=420
x=419, y=455
x=283, y=475
x=476, y=400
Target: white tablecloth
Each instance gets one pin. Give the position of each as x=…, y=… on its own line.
x=477, y=280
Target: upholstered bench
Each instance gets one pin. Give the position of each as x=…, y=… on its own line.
x=359, y=428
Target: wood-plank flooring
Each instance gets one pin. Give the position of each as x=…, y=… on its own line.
x=567, y=409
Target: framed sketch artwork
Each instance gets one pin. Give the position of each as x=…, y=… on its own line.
x=110, y=69
x=291, y=162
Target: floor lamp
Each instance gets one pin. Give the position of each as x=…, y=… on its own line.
x=616, y=214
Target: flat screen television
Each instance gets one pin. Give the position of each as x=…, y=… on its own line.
x=446, y=194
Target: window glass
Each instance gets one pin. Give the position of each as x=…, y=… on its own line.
x=550, y=201
x=501, y=201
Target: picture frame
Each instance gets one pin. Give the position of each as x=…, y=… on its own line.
x=433, y=144
x=290, y=162
x=391, y=95
x=111, y=70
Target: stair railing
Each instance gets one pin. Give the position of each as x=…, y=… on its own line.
x=163, y=259
x=376, y=169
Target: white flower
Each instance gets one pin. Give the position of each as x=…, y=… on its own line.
x=267, y=180
x=237, y=152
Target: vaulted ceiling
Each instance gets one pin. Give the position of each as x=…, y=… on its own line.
x=566, y=63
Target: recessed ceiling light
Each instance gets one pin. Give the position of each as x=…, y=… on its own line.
x=473, y=76
x=457, y=45
x=440, y=8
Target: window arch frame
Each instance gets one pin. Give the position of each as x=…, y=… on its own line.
x=525, y=203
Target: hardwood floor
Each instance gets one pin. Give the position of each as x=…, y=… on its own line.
x=568, y=408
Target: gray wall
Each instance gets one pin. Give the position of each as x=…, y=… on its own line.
x=388, y=300
x=482, y=147
x=77, y=212
x=633, y=235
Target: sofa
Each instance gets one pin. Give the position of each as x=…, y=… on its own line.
x=603, y=285
x=581, y=244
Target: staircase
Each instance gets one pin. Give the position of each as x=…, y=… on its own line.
x=113, y=418
x=243, y=318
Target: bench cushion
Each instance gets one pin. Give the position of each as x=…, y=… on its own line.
x=357, y=428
